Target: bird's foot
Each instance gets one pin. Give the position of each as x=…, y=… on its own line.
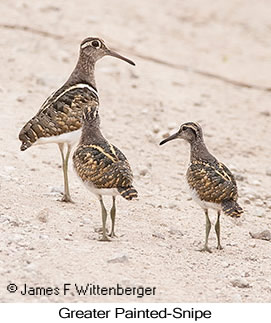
x=205, y=249
x=66, y=198
x=112, y=235
x=105, y=239
x=219, y=247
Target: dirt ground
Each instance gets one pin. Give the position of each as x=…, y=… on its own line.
x=175, y=44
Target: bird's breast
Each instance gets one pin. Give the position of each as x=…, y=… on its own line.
x=71, y=138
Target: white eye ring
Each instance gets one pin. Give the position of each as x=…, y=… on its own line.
x=96, y=43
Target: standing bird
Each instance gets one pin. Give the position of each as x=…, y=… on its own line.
x=210, y=182
x=59, y=118
x=102, y=167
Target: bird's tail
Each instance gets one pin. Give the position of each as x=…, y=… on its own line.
x=25, y=145
x=26, y=141
x=128, y=192
x=232, y=208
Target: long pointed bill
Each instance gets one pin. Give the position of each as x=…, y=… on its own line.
x=114, y=54
x=169, y=138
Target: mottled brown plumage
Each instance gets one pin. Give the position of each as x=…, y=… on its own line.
x=59, y=118
x=211, y=183
x=102, y=167
x=60, y=114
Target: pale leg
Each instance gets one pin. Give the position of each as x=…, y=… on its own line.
x=113, y=216
x=104, y=216
x=207, y=231
x=217, y=230
x=66, y=197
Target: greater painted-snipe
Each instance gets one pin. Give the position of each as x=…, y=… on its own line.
x=102, y=167
x=210, y=182
x=59, y=118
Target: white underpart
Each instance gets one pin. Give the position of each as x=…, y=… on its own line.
x=71, y=138
x=101, y=191
x=203, y=204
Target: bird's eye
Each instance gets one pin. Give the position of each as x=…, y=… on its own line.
x=184, y=128
x=96, y=44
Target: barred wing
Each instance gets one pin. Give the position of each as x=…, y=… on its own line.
x=60, y=113
x=104, y=166
x=212, y=182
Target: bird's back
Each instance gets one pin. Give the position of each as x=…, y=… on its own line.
x=212, y=181
x=103, y=165
x=61, y=113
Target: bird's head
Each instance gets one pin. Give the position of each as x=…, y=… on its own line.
x=94, y=48
x=189, y=131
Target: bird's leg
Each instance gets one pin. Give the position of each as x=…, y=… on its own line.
x=113, y=216
x=207, y=231
x=104, y=216
x=65, y=160
x=217, y=230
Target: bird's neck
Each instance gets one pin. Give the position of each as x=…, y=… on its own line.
x=199, y=151
x=91, y=135
x=83, y=72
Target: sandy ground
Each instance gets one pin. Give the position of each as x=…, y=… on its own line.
x=48, y=243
